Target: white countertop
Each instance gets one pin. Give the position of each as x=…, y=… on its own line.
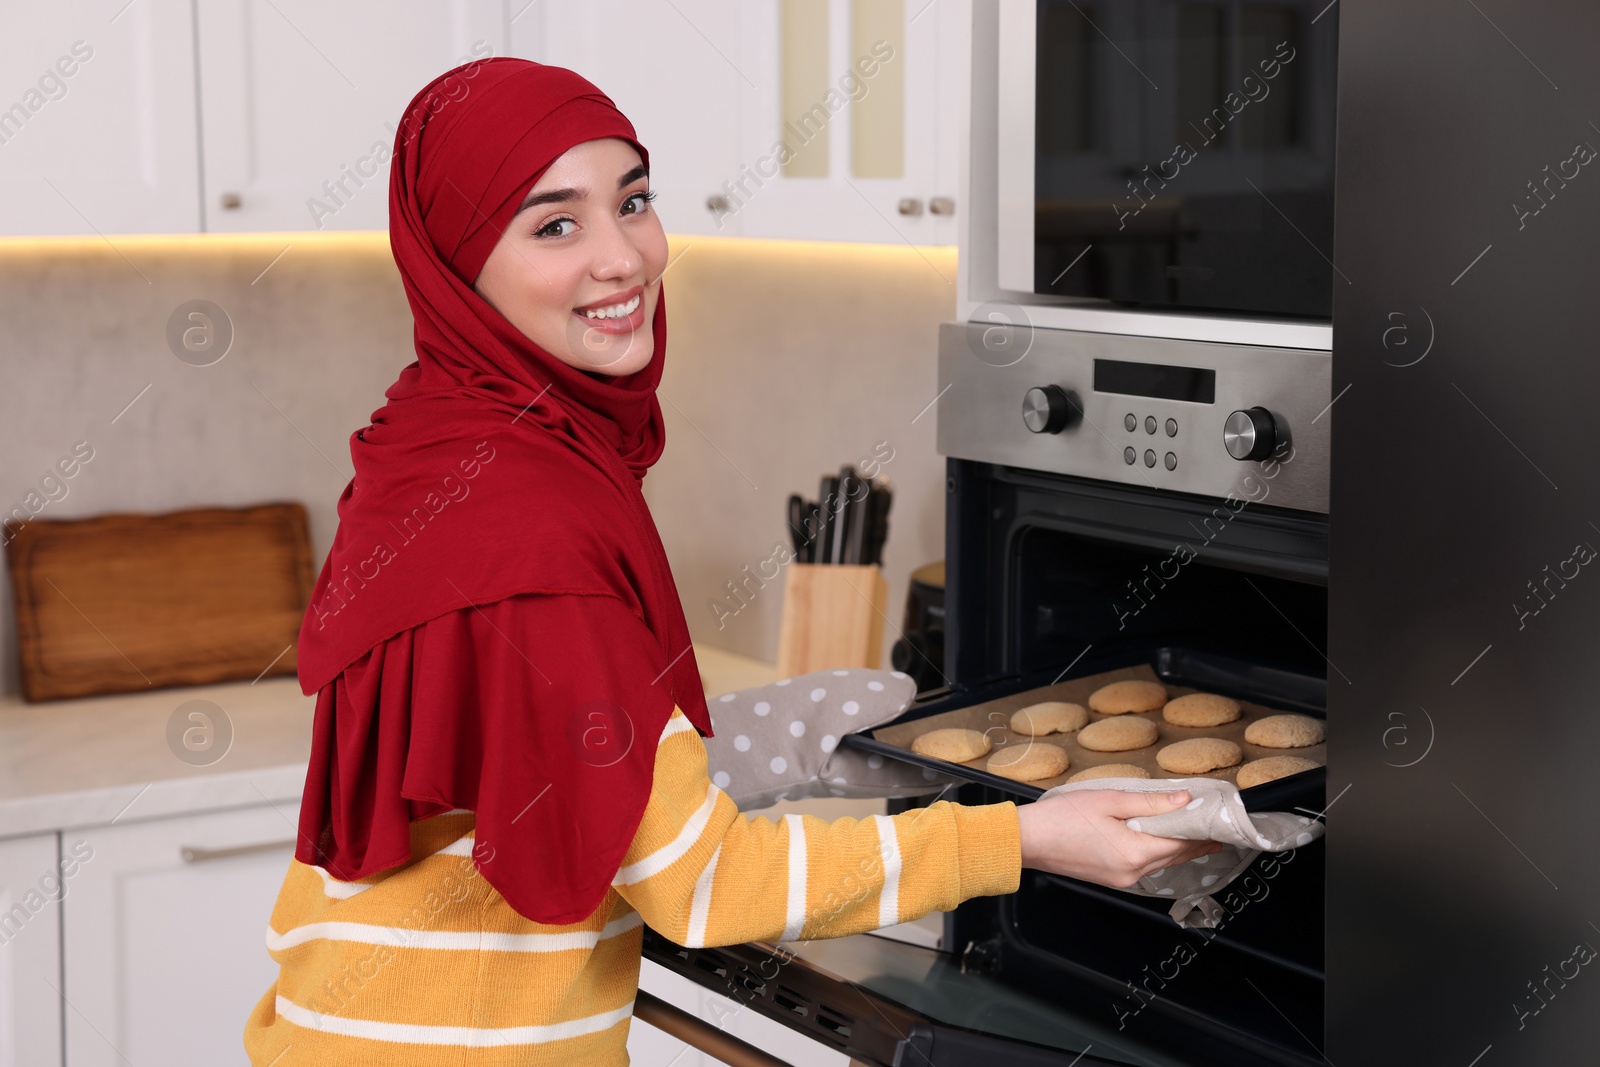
x=93, y=761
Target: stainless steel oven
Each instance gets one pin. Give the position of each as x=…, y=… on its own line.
x=1066, y=557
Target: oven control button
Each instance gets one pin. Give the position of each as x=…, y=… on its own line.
x=1172, y=427
x=1172, y=461
x=1249, y=434
x=1149, y=424
x=1050, y=409
x=1149, y=458
x=1131, y=421
x=1129, y=456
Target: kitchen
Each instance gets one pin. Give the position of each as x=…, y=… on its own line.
x=890, y=226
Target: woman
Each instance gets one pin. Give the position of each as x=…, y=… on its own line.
x=507, y=777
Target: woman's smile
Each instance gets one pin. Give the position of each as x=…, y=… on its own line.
x=620, y=313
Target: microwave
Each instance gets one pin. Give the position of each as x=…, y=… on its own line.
x=1168, y=159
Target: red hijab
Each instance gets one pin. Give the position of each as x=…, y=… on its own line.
x=557, y=509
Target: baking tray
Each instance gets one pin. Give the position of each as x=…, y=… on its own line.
x=1262, y=690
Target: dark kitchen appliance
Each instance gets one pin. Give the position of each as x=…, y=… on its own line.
x=1064, y=559
x=919, y=651
x=1180, y=155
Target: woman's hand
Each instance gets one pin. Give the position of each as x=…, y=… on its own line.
x=1081, y=835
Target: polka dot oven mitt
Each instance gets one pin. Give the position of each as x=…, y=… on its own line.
x=1216, y=813
x=781, y=741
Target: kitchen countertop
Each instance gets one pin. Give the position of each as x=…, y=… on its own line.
x=99, y=760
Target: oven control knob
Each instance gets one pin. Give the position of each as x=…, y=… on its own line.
x=1250, y=434
x=1050, y=409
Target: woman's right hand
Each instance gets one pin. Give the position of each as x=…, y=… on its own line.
x=1082, y=835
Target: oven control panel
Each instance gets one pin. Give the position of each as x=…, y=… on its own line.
x=1233, y=421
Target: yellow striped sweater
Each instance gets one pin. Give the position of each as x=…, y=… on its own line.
x=425, y=964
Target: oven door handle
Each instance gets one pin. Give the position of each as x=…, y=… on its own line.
x=712, y=1040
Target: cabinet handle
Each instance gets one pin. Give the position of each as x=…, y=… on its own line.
x=193, y=854
x=942, y=205
x=910, y=205
x=231, y=201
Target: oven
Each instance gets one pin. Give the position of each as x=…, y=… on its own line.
x=1111, y=501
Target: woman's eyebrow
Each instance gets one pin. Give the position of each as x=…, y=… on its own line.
x=560, y=196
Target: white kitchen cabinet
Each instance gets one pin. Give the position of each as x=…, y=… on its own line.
x=164, y=936
x=703, y=82
x=233, y=116
x=97, y=119
x=845, y=201
x=300, y=102
x=30, y=951
x=671, y=68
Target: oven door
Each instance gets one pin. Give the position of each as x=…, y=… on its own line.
x=882, y=1001
x=1004, y=1000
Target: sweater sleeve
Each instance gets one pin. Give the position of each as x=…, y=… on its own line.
x=702, y=873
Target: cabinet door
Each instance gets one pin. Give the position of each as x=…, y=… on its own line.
x=30, y=952
x=852, y=90
x=674, y=70
x=164, y=936
x=300, y=102
x=97, y=119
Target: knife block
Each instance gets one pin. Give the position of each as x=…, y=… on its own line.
x=833, y=616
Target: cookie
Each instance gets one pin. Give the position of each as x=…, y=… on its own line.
x=1051, y=717
x=953, y=744
x=1260, y=771
x=1121, y=698
x=1201, y=709
x=1286, y=731
x=1028, y=761
x=1199, y=755
x=1110, y=770
x=1118, y=735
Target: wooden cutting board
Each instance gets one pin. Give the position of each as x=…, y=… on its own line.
x=126, y=602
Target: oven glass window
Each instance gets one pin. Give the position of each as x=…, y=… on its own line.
x=1184, y=153
x=1075, y=592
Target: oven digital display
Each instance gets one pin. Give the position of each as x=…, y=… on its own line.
x=1194, y=384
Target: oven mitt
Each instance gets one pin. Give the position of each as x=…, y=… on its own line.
x=1215, y=812
x=781, y=741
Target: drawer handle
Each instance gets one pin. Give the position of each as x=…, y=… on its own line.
x=192, y=854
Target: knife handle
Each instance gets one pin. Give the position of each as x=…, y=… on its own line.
x=828, y=493
x=794, y=516
x=859, y=528
x=848, y=516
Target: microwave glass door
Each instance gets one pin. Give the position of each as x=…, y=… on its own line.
x=1184, y=154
